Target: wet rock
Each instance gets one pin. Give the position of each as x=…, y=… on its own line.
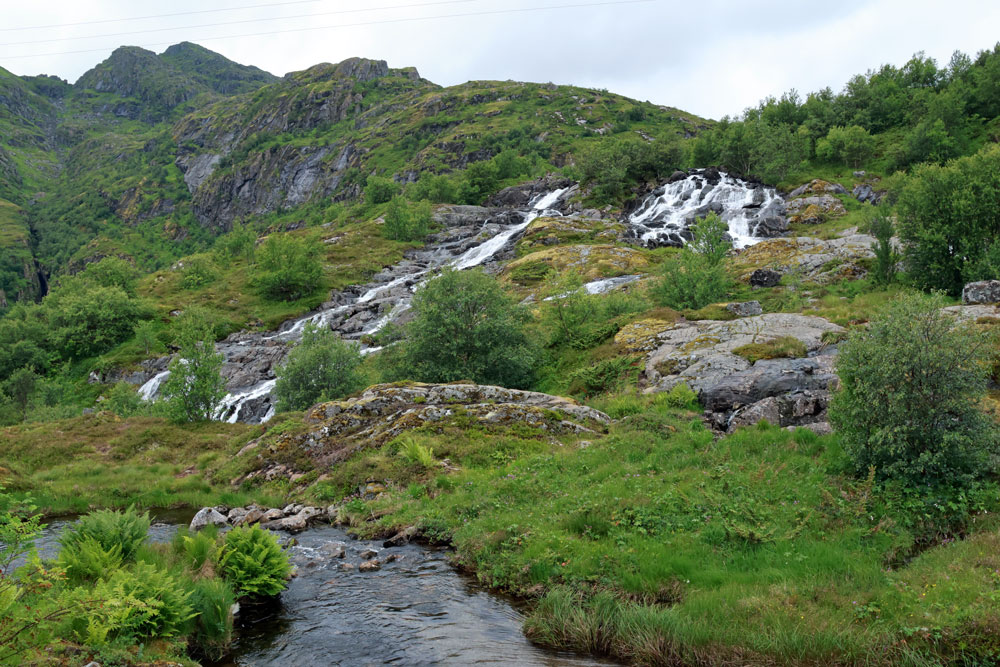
x=764, y=278
x=368, y=554
x=858, y=174
x=745, y=309
x=523, y=195
x=251, y=517
x=677, y=176
x=346, y=567
x=369, y=566
x=207, y=516
x=333, y=551
x=984, y=291
x=402, y=537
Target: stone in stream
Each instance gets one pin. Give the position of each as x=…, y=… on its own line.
x=369, y=566
x=251, y=517
x=368, y=554
x=346, y=567
x=207, y=516
x=402, y=537
x=332, y=550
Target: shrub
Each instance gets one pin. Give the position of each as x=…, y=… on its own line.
x=379, y=190
x=948, y=218
x=111, y=272
x=194, y=387
x=321, y=367
x=711, y=238
x=614, y=165
x=253, y=563
x=850, y=145
x=288, y=268
x=123, y=530
x=681, y=396
x=123, y=400
x=239, y=243
x=86, y=558
x=435, y=188
x=197, y=272
x=407, y=222
x=690, y=280
x=911, y=383
x=86, y=320
x=466, y=328
x=576, y=319
x=880, y=226
x=605, y=375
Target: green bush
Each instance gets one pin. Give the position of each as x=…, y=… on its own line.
x=85, y=321
x=379, y=190
x=239, y=243
x=414, y=452
x=194, y=388
x=605, y=375
x=253, y=563
x=122, y=530
x=911, y=385
x=849, y=145
x=87, y=559
x=288, y=268
x=466, y=328
x=881, y=227
x=948, y=218
x=198, y=271
x=123, y=400
x=579, y=320
x=612, y=166
x=406, y=222
x=690, y=280
x=711, y=239
x=321, y=367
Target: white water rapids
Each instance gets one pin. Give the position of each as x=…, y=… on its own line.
x=232, y=404
x=664, y=216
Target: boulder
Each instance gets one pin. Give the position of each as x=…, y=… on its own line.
x=745, y=309
x=822, y=261
x=368, y=554
x=369, y=566
x=982, y=292
x=864, y=192
x=818, y=186
x=272, y=515
x=796, y=408
x=815, y=209
x=523, y=195
x=251, y=517
x=764, y=278
x=207, y=516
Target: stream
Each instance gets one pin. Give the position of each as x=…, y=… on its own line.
x=417, y=610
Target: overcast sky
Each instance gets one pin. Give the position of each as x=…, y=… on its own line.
x=710, y=57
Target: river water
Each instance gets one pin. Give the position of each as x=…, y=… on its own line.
x=417, y=610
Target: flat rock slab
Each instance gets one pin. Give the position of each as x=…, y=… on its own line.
x=816, y=260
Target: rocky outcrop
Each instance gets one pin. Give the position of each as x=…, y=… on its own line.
x=818, y=186
x=336, y=430
x=865, y=192
x=702, y=355
x=822, y=261
x=590, y=261
x=815, y=209
x=984, y=291
x=521, y=196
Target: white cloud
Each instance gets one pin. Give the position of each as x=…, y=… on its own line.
x=712, y=58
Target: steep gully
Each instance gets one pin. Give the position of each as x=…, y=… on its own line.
x=662, y=218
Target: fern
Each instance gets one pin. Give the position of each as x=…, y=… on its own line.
x=253, y=563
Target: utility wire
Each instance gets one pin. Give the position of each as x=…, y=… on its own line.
x=360, y=24
x=161, y=16
x=212, y=25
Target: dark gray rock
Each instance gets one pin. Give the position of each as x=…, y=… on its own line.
x=769, y=378
x=764, y=278
x=864, y=192
x=793, y=409
x=984, y=291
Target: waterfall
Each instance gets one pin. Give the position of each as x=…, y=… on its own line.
x=752, y=211
x=149, y=390
x=378, y=296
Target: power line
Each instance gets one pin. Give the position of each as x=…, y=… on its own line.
x=359, y=24
x=212, y=25
x=161, y=16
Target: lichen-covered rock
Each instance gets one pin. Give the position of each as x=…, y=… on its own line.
x=818, y=186
x=207, y=516
x=745, y=308
x=983, y=291
x=545, y=232
x=592, y=262
x=641, y=336
x=816, y=209
x=816, y=260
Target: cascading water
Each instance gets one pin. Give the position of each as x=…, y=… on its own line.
x=752, y=211
x=386, y=299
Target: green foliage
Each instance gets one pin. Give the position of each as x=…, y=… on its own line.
x=605, y=375
x=198, y=550
x=573, y=318
x=239, y=243
x=86, y=559
x=681, y=396
x=124, y=400
x=379, y=190
x=711, y=238
x=416, y=453
x=784, y=347
x=145, y=336
x=911, y=382
x=435, y=188
x=466, y=328
x=20, y=387
x=690, y=280
x=613, y=166
x=86, y=320
x=253, y=563
x=948, y=219
x=754, y=146
x=212, y=602
x=880, y=226
x=124, y=531
x=198, y=271
x=288, y=268
x=321, y=367
x=138, y=603
x=407, y=222
x=111, y=272
x=19, y=526
x=850, y=145
x=194, y=387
